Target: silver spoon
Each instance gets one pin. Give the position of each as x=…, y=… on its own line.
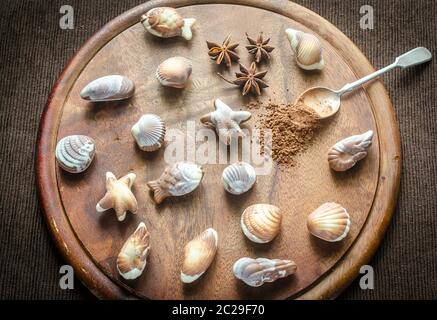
x=326, y=102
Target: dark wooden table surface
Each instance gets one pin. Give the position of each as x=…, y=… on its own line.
x=35, y=49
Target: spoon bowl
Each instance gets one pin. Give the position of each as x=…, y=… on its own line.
x=324, y=101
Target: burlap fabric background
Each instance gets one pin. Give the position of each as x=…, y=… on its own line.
x=34, y=50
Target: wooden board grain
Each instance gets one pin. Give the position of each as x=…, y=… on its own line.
x=91, y=241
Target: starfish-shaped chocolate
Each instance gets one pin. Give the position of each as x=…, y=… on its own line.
x=259, y=47
x=249, y=79
x=226, y=121
x=119, y=195
x=223, y=53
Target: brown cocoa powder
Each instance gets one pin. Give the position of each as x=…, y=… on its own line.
x=292, y=127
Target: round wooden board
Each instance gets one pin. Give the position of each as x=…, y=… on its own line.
x=91, y=241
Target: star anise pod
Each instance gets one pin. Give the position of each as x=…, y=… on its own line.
x=249, y=79
x=223, y=53
x=259, y=47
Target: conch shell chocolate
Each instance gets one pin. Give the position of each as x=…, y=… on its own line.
x=347, y=152
x=166, y=22
x=256, y=272
x=308, y=49
x=132, y=258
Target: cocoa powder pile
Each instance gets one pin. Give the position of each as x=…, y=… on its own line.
x=292, y=126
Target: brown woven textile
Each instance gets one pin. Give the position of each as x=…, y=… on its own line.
x=34, y=50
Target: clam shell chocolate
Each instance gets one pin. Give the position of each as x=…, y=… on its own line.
x=174, y=72
x=238, y=178
x=75, y=153
x=166, y=22
x=198, y=255
x=108, y=88
x=256, y=272
x=178, y=179
x=329, y=222
x=347, y=152
x=149, y=132
x=308, y=49
x=132, y=258
x=261, y=223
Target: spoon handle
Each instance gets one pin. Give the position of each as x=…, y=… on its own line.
x=411, y=58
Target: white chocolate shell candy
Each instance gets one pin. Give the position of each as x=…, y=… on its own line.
x=119, y=195
x=256, y=272
x=198, y=255
x=174, y=72
x=166, y=22
x=329, y=222
x=347, y=152
x=226, y=121
x=261, y=222
x=149, y=132
x=177, y=180
x=238, y=178
x=132, y=258
x=75, y=153
x=108, y=88
x=308, y=49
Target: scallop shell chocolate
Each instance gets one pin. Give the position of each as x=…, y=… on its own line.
x=198, y=255
x=329, y=222
x=308, y=49
x=132, y=258
x=261, y=223
x=166, y=22
x=108, y=88
x=256, y=272
x=347, y=152
x=174, y=72
x=149, y=132
x=238, y=178
x=178, y=179
x=75, y=153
